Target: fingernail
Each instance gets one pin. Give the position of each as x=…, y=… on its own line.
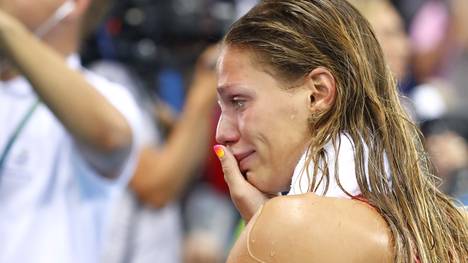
x=218, y=149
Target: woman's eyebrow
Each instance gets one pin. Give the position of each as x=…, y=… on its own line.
x=222, y=89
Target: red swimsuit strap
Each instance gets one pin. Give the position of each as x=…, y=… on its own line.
x=361, y=198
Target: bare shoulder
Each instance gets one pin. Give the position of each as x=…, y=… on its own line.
x=309, y=228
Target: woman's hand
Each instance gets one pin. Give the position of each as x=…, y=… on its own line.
x=245, y=196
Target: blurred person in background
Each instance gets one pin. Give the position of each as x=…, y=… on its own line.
x=68, y=141
x=390, y=31
x=447, y=144
x=439, y=39
x=148, y=224
x=446, y=148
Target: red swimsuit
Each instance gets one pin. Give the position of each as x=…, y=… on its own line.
x=361, y=198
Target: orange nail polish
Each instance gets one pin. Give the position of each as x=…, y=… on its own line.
x=218, y=149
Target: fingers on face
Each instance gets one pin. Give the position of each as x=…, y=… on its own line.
x=229, y=165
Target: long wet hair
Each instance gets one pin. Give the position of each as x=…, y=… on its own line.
x=291, y=38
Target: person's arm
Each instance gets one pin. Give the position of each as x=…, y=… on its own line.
x=162, y=173
x=90, y=118
x=308, y=228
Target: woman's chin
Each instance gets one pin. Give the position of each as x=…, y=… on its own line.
x=266, y=185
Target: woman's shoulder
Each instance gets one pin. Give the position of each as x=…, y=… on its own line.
x=310, y=228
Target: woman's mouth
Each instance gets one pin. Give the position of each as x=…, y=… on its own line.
x=243, y=160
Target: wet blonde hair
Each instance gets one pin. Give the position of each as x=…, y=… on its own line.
x=291, y=38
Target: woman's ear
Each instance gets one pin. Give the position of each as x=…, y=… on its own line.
x=322, y=89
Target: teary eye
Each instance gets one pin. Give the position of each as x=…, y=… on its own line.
x=238, y=102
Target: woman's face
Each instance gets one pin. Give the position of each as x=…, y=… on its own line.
x=389, y=29
x=263, y=124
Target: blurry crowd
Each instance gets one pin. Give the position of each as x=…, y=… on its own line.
x=176, y=206
x=162, y=50
x=426, y=44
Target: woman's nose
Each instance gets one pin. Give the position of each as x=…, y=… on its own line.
x=227, y=131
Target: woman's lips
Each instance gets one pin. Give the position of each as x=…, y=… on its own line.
x=243, y=160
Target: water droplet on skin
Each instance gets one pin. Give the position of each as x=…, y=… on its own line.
x=272, y=253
